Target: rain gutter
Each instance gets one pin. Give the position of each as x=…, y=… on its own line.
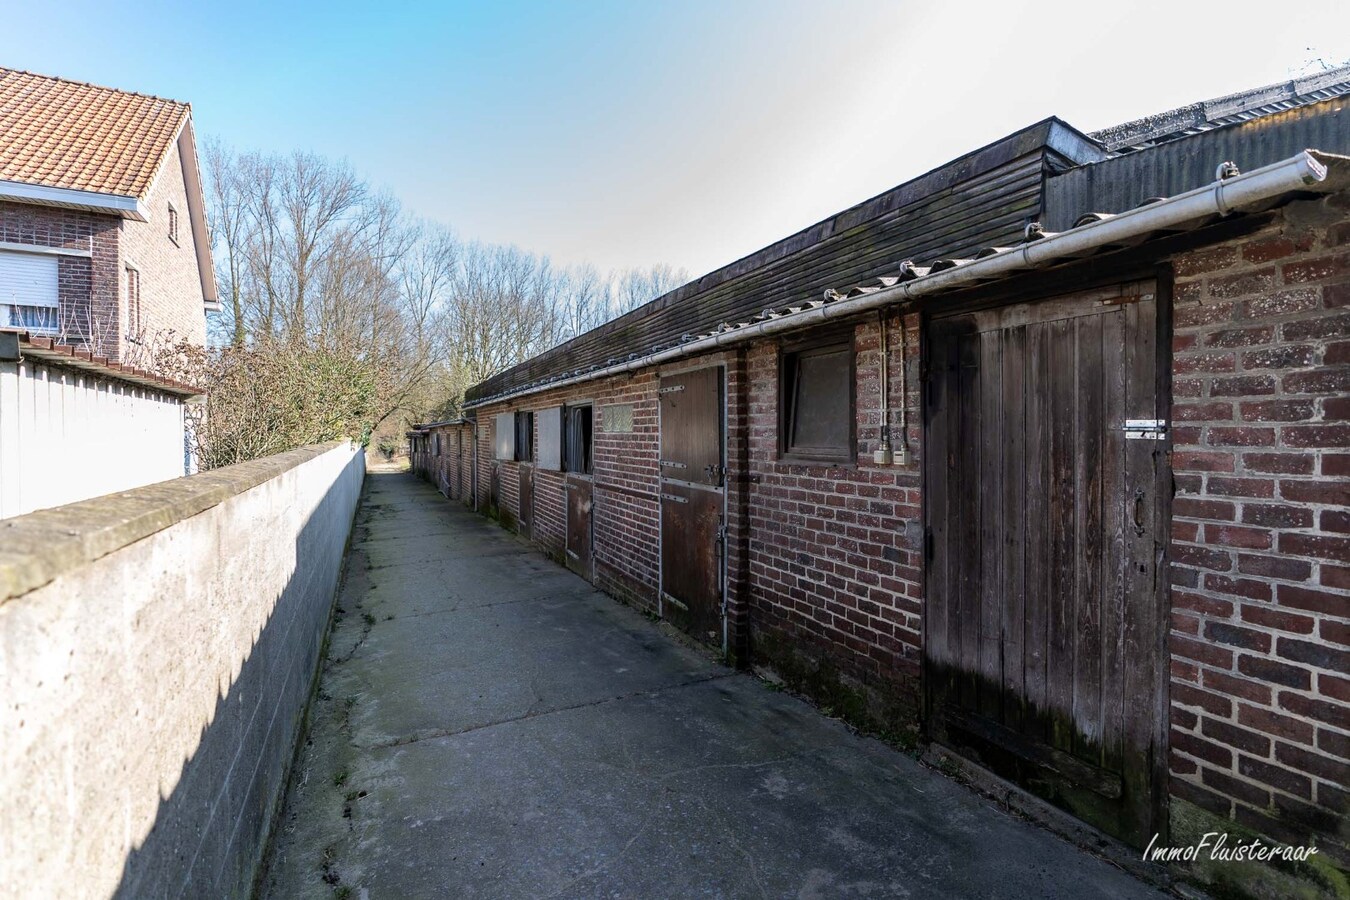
x=1220, y=198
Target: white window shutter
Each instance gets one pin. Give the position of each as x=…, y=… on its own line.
x=504, y=436
x=28, y=279
x=549, y=423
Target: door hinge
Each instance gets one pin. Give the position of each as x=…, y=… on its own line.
x=1144, y=429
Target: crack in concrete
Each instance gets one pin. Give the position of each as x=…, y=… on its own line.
x=455, y=732
x=564, y=595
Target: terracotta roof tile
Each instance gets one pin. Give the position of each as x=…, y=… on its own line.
x=68, y=134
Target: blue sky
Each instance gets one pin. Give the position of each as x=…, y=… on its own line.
x=630, y=133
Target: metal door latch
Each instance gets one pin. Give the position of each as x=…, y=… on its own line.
x=1145, y=429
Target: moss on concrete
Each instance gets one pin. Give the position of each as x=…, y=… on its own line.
x=1313, y=879
x=887, y=712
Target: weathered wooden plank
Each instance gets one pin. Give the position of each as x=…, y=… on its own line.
x=940, y=389
x=1037, y=547
x=1063, y=535
x=1076, y=772
x=1113, y=551
x=967, y=560
x=1088, y=512
x=1142, y=615
x=991, y=524
x=1014, y=526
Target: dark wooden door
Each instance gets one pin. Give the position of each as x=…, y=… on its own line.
x=1044, y=626
x=494, y=488
x=526, y=518
x=580, y=500
x=692, y=501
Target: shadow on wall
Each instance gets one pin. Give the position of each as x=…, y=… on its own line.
x=208, y=835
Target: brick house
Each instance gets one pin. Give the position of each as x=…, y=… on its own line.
x=1069, y=497
x=103, y=238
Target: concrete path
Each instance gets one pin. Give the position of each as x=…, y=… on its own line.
x=488, y=725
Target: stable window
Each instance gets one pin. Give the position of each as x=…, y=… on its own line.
x=524, y=437
x=438, y=444
x=817, y=401
x=577, y=440
x=549, y=455
x=618, y=418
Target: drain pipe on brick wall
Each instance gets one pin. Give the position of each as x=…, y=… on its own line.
x=883, y=456
x=902, y=458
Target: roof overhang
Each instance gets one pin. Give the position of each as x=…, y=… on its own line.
x=125, y=207
x=49, y=351
x=1250, y=192
x=196, y=198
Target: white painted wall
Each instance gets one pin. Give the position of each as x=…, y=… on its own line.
x=66, y=435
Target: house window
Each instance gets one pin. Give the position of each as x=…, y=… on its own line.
x=29, y=292
x=577, y=439
x=817, y=401
x=524, y=437
x=134, y=324
x=173, y=224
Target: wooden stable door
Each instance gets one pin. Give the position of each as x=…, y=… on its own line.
x=1044, y=469
x=580, y=502
x=692, y=501
x=526, y=500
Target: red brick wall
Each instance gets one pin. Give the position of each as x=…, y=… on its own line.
x=835, y=568
x=825, y=561
x=822, y=559
x=88, y=285
x=171, y=288
x=626, y=512
x=1260, y=636
x=451, y=469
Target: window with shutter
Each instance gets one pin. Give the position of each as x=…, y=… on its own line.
x=29, y=294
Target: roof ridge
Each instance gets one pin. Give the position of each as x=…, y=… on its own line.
x=90, y=84
x=1198, y=113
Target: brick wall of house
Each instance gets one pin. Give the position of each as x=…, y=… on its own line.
x=88, y=285
x=170, y=286
x=1260, y=639
x=835, y=571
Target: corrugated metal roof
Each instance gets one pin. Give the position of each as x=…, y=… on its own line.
x=1218, y=112
x=1179, y=164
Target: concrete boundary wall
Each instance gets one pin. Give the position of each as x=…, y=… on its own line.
x=157, y=650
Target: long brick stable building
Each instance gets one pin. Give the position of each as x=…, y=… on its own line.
x=1066, y=495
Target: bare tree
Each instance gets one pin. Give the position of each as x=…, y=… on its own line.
x=316, y=266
